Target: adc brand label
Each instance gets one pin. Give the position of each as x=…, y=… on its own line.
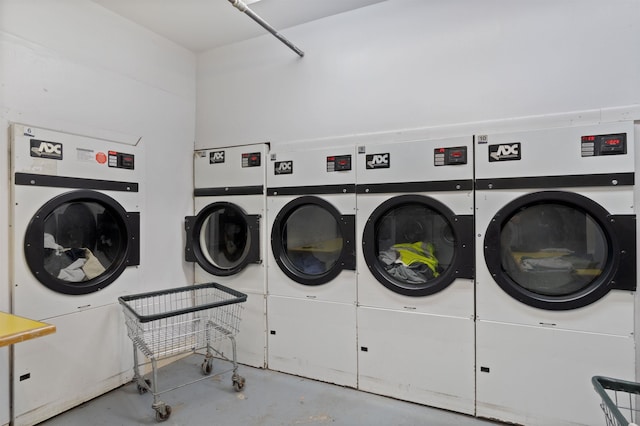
x=378, y=161
x=216, y=157
x=505, y=152
x=283, y=167
x=45, y=149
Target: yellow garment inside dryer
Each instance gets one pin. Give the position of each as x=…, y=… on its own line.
x=418, y=252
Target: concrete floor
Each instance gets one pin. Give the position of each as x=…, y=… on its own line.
x=269, y=398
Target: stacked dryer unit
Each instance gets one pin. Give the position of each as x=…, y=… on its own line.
x=75, y=245
x=415, y=272
x=556, y=270
x=227, y=237
x=311, y=301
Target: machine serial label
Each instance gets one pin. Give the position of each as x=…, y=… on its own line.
x=378, y=161
x=216, y=157
x=45, y=149
x=283, y=167
x=505, y=152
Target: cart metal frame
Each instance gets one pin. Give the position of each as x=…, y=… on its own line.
x=619, y=400
x=183, y=320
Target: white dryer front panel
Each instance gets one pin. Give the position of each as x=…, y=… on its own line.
x=415, y=226
x=423, y=358
x=75, y=221
x=93, y=350
x=386, y=223
x=613, y=313
x=75, y=249
x=556, y=270
x=227, y=239
x=542, y=376
x=311, y=207
x=312, y=247
x=555, y=227
x=231, y=167
x=313, y=338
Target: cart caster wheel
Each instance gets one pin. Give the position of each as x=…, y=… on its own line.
x=144, y=389
x=163, y=413
x=238, y=383
x=207, y=366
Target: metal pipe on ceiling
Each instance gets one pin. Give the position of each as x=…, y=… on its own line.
x=242, y=7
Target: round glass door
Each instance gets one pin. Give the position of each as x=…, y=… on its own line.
x=553, y=250
x=79, y=242
x=311, y=241
x=224, y=239
x=410, y=244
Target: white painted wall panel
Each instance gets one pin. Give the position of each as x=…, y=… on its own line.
x=72, y=65
x=404, y=64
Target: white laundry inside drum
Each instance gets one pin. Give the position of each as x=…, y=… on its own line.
x=81, y=241
x=553, y=249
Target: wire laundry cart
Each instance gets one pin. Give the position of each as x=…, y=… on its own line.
x=619, y=400
x=163, y=324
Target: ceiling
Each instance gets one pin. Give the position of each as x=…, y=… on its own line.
x=200, y=25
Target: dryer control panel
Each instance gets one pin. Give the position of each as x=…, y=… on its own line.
x=450, y=156
x=338, y=163
x=594, y=145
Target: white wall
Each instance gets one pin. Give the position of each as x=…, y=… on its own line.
x=70, y=65
x=404, y=64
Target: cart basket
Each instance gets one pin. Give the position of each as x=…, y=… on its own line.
x=167, y=322
x=146, y=312
x=619, y=400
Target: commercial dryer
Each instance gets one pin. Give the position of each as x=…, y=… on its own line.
x=556, y=270
x=415, y=271
x=226, y=239
x=311, y=283
x=75, y=244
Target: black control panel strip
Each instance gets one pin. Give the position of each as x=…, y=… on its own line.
x=428, y=186
x=71, y=182
x=313, y=190
x=229, y=190
x=569, y=181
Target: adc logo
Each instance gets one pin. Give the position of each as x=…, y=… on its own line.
x=216, y=157
x=378, y=161
x=283, y=167
x=44, y=149
x=505, y=152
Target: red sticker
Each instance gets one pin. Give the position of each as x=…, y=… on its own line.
x=101, y=157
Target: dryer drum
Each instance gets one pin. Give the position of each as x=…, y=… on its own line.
x=560, y=250
x=416, y=246
x=312, y=241
x=223, y=239
x=81, y=241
